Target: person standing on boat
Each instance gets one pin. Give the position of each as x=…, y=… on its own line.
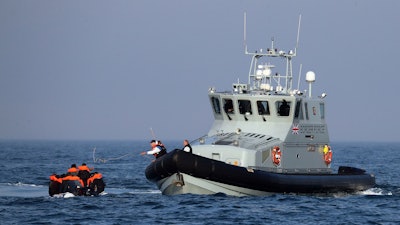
x=284, y=109
x=163, y=149
x=186, y=146
x=155, y=149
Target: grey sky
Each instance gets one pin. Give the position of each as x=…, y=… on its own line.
x=113, y=69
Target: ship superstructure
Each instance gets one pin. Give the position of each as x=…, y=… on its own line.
x=267, y=112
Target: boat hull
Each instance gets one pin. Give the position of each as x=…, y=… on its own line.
x=180, y=172
x=67, y=188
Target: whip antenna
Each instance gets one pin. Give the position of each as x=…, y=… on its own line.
x=298, y=82
x=152, y=133
x=244, y=33
x=298, y=35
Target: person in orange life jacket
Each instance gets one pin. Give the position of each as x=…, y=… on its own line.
x=85, y=167
x=72, y=175
x=55, y=184
x=155, y=149
x=95, y=176
x=73, y=170
x=186, y=146
x=96, y=184
x=84, y=173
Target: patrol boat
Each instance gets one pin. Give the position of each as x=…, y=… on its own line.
x=267, y=137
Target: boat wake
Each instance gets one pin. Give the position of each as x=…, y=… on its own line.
x=376, y=191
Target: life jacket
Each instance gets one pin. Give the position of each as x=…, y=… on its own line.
x=162, y=152
x=55, y=178
x=73, y=178
x=94, y=177
x=326, y=149
x=72, y=170
x=190, y=147
x=84, y=168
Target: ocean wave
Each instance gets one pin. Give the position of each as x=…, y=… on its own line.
x=376, y=191
x=20, y=184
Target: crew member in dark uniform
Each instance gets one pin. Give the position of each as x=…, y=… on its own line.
x=186, y=146
x=163, y=149
x=284, y=109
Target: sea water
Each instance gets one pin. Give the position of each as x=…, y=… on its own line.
x=130, y=198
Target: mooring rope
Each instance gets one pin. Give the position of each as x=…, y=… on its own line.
x=106, y=160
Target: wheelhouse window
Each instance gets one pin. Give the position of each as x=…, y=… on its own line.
x=263, y=108
x=306, y=108
x=298, y=113
x=216, y=105
x=228, y=106
x=244, y=106
x=322, y=110
x=283, y=107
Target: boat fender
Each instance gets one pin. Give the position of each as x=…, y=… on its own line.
x=328, y=156
x=276, y=155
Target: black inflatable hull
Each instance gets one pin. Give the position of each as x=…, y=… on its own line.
x=348, y=179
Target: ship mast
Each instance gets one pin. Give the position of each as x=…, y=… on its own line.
x=260, y=73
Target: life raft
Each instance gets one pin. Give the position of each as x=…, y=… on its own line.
x=94, y=186
x=276, y=155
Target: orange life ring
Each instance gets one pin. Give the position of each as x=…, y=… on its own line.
x=276, y=155
x=328, y=157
